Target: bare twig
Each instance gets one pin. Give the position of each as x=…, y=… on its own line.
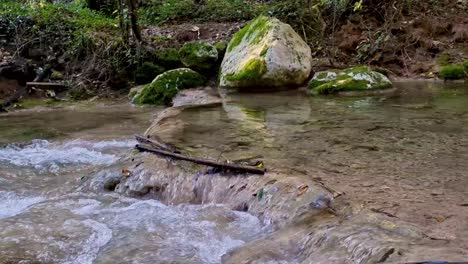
x=207, y=162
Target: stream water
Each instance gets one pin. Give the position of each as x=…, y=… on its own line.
x=407, y=152
x=45, y=218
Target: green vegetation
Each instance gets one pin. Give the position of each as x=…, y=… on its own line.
x=156, y=12
x=253, y=32
x=360, y=78
x=147, y=72
x=454, y=71
x=221, y=47
x=444, y=59
x=199, y=55
x=168, y=58
x=165, y=86
x=51, y=20
x=253, y=70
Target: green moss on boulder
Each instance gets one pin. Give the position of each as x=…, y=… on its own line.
x=266, y=53
x=454, y=71
x=253, y=70
x=198, y=55
x=165, y=86
x=360, y=78
x=221, y=47
x=147, y=72
x=168, y=58
x=253, y=32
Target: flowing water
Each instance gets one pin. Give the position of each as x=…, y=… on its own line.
x=405, y=154
x=46, y=218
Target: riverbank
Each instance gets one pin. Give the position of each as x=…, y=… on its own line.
x=86, y=52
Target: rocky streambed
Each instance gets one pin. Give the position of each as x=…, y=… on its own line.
x=349, y=180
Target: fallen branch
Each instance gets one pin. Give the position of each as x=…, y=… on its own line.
x=155, y=144
x=206, y=162
x=49, y=85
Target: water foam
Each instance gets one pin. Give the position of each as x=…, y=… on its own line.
x=12, y=204
x=47, y=156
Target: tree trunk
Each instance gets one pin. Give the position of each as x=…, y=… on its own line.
x=132, y=11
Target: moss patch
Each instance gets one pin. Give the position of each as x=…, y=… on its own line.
x=454, y=71
x=253, y=70
x=167, y=85
x=147, y=72
x=253, y=32
x=168, y=58
x=28, y=103
x=360, y=78
x=198, y=55
x=221, y=47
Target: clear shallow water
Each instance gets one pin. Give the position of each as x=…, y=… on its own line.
x=45, y=217
x=379, y=150
x=404, y=154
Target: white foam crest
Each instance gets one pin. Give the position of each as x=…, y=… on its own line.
x=46, y=156
x=12, y=204
x=100, y=237
x=101, y=145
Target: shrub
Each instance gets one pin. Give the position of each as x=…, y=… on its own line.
x=147, y=72
x=453, y=71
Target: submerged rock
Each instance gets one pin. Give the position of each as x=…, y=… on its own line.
x=266, y=53
x=165, y=86
x=198, y=55
x=353, y=79
x=192, y=97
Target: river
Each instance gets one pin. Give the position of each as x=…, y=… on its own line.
x=405, y=155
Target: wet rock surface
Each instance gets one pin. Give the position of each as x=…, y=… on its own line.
x=192, y=97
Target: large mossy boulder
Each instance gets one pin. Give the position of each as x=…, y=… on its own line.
x=198, y=55
x=360, y=78
x=266, y=53
x=165, y=86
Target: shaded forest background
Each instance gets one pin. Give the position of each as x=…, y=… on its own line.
x=104, y=44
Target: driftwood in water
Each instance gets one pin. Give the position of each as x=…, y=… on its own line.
x=206, y=162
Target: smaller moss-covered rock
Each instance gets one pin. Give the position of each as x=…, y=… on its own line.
x=221, y=47
x=198, y=55
x=168, y=58
x=454, y=71
x=353, y=79
x=134, y=91
x=147, y=72
x=165, y=86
